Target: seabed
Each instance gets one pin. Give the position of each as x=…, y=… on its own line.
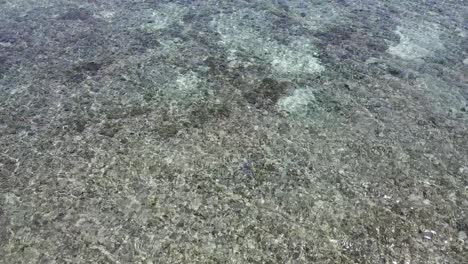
x=146, y=131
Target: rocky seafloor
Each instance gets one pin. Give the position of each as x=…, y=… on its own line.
x=146, y=131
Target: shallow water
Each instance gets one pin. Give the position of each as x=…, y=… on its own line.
x=233, y=131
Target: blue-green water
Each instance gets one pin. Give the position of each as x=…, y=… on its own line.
x=286, y=131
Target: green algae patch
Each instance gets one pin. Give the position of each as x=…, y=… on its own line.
x=252, y=38
x=164, y=16
x=299, y=104
x=417, y=42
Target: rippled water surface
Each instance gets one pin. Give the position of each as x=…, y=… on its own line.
x=284, y=131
